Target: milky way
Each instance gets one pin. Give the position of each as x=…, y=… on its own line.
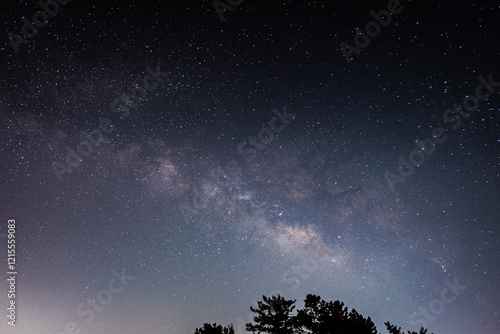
x=167, y=164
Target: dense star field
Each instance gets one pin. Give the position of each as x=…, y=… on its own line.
x=168, y=163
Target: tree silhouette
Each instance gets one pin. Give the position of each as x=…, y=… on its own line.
x=321, y=317
x=274, y=316
x=214, y=329
x=395, y=330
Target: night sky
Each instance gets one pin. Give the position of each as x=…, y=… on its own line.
x=167, y=168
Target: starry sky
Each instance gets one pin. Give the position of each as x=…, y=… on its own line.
x=168, y=164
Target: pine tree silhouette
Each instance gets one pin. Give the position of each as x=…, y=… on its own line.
x=214, y=329
x=274, y=315
x=395, y=330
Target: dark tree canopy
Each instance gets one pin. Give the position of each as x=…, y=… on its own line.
x=275, y=315
x=214, y=329
x=321, y=317
x=395, y=330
